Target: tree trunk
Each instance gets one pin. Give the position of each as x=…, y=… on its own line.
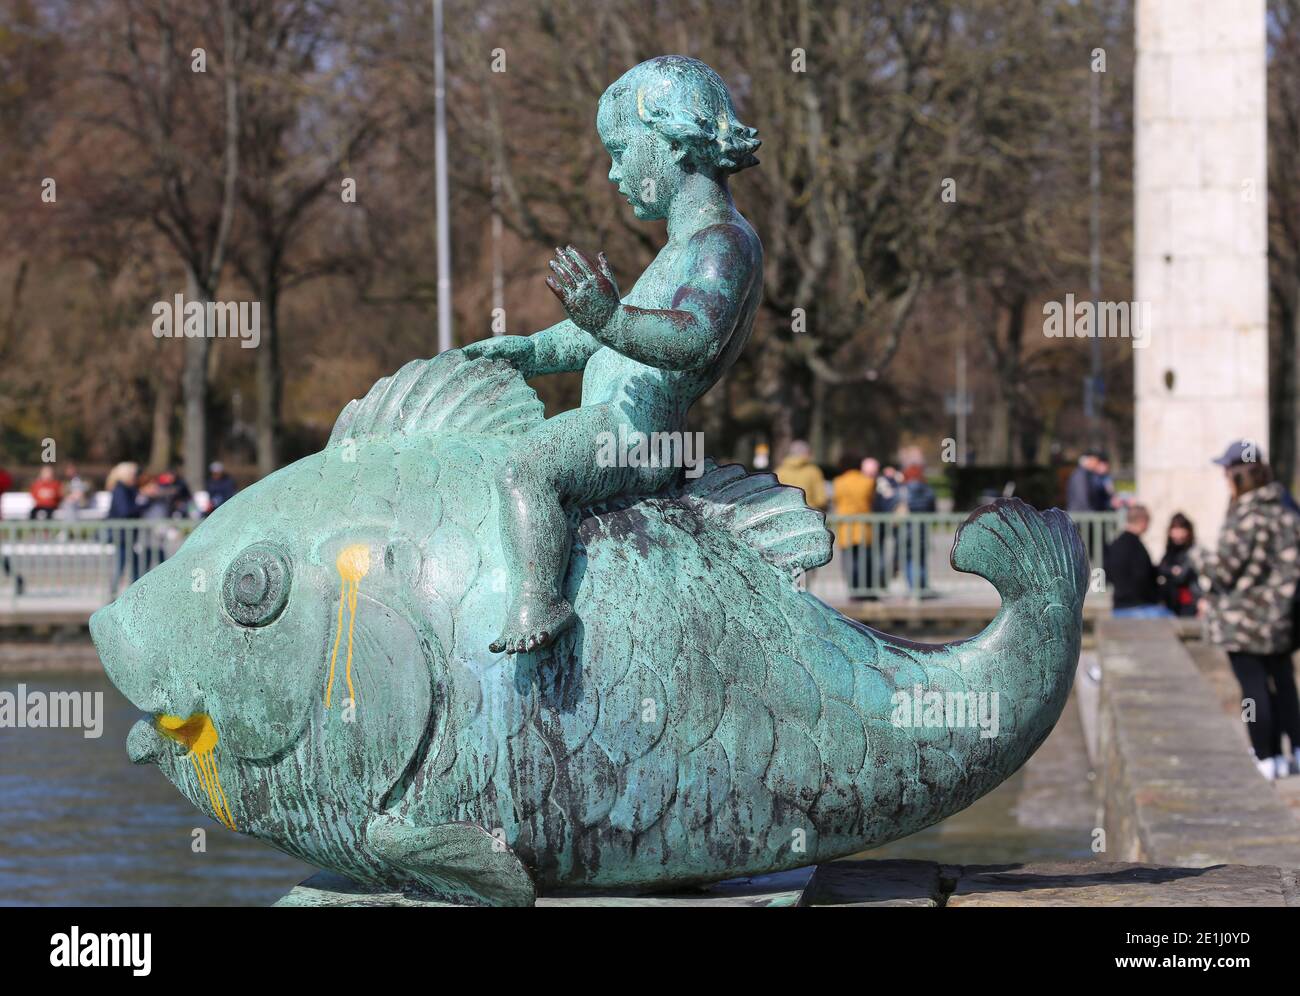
x=999, y=433
x=817, y=419
x=164, y=407
x=269, y=383
x=194, y=384
x=775, y=388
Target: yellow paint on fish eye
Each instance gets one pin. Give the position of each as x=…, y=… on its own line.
x=199, y=734
x=353, y=564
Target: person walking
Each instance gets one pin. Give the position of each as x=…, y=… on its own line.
x=852, y=492
x=124, y=503
x=1175, y=577
x=1250, y=585
x=221, y=486
x=916, y=497
x=76, y=492
x=876, y=545
x=797, y=470
x=1135, y=593
x=155, y=500
x=1103, y=486
x=1079, y=489
x=889, y=495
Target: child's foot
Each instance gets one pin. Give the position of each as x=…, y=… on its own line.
x=533, y=621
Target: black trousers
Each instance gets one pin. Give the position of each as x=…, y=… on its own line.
x=1269, y=681
x=857, y=569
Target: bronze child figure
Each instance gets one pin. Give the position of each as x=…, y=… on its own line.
x=673, y=138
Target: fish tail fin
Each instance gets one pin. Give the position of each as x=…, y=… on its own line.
x=1026, y=554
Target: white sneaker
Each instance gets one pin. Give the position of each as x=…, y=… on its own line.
x=1267, y=768
x=1281, y=766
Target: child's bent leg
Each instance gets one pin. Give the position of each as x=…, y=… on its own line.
x=552, y=464
x=535, y=541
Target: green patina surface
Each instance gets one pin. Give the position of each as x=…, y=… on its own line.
x=316, y=668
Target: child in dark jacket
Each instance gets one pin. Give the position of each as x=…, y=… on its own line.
x=1176, y=578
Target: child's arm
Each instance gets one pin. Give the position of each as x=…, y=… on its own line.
x=559, y=349
x=688, y=335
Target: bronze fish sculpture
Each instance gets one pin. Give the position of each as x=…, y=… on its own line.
x=314, y=667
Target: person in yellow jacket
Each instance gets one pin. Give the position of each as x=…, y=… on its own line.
x=797, y=470
x=852, y=493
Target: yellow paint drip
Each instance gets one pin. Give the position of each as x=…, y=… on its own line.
x=353, y=563
x=198, y=733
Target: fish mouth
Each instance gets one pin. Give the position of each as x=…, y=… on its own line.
x=196, y=733
x=193, y=737
x=146, y=745
x=155, y=737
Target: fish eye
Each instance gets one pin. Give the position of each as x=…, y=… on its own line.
x=256, y=587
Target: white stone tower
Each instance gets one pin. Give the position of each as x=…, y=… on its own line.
x=1200, y=251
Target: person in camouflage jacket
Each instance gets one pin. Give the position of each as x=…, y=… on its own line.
x=1250, y=586
x=1250, y=580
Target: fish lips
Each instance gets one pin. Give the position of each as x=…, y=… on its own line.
x=146, y=745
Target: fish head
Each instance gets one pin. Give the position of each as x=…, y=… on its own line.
x=288, y=583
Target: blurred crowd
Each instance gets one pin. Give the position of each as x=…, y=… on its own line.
x=129, y=493
x=861, y=487
x=127, y=496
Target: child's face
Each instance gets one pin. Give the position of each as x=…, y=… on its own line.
x=641, y=161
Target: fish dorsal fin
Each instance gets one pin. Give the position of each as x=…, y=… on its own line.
x=768, y=515
x=447, y=393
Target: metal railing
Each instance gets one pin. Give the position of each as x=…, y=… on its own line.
x=89, y=562
x=884, y=552
x=85, y=561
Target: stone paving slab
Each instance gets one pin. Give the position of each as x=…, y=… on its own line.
x=1177, y=783
x=1118, y=884
x=776, y=890
x=916, y=884
x=875, y=883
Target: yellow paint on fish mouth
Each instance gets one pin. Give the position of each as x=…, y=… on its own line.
x=353, y=564
x=198, y=733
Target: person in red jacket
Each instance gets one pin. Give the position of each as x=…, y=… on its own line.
x=47, y=494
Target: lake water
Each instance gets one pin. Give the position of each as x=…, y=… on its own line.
x=82, y=826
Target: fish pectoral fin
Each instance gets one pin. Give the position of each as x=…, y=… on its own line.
x=461, y=862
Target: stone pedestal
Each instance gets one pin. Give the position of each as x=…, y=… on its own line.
x=919, y=884
x=1200, y=251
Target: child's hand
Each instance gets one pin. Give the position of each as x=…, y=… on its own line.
x=513, y=349
x=588, y=292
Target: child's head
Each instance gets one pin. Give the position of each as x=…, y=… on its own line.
x=665, y=118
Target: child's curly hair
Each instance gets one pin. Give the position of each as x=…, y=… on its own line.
x=687, y=102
